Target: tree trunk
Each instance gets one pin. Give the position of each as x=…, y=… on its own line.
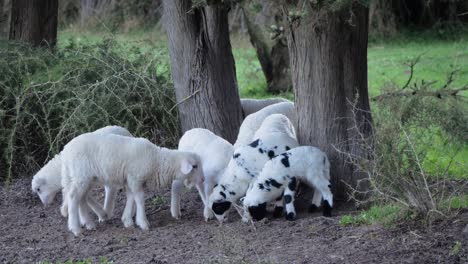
x=34, y=21
x=2, y=18
x=382, y=22
x=274, y=61
x=281, y=80
x=328, y=51
x=260, y=45
x=203, y=68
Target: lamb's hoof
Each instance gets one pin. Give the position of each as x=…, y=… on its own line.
x=278, y=212
x=175, y=214
x=208, y=214
x=64, y=212
x=76, y=231
x=313, y=208
x=143, y=225
x=103, y=218
x=127, y=223
x=291, y=216
x=90, y=226
x=327, y=212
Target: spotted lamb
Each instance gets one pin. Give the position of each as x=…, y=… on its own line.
x=280, y=176
x=275, y=136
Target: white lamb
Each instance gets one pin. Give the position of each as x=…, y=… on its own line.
x=250, y=106
x=306, y=164
x=253, y=121
x=215, y=153
x=47, y=181
x=275, y=136
x=119, y=161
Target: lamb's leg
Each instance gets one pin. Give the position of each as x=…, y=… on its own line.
x=176, y=191
x=323, y=186
x=64, y=207
x=109, y=201
x=279, y=209
x=201, y=192
x=84, y=213
x=127, y=216
x=207, y=213
x=141, y=219
x=97, y=208
x=316, y=200
x=74, y=198
x=289, y=193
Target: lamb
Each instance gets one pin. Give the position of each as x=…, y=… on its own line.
x=253, y=121
x=47, y=182
x=214, y=153
x=275, y=136
x=119, y=161
x=250, y=106
x=306, y=164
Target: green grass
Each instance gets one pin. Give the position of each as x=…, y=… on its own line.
x=438, y=58
x=389, y=214
x=455, y=203
x=385, y=215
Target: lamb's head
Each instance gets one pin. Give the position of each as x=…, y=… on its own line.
x=260, y=192
x=221, y=199
x=191, y=170
x=44, y=189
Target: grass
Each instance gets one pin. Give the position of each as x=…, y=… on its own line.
x=438, y=58
x=385, y=215
x=389, y=214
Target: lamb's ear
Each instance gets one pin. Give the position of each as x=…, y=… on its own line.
x=185, y=167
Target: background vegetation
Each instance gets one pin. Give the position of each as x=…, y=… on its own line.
x=112, y=67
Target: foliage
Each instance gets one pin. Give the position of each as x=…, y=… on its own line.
x=396, y=161
x=47, y=98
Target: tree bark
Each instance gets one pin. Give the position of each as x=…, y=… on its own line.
x=34, y=21
x=5, y=11
x=203, y=68
x=328, y=54
x=382, y=21
x=273, y=60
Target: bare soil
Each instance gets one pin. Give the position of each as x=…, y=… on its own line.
x=31, y=233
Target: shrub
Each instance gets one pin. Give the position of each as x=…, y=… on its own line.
x=49, y=97
x=400, y=163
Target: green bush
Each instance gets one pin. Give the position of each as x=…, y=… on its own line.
x=49, y=97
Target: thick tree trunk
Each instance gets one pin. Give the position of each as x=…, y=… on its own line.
x=34, y=21
x=328, y=53
x=275, y=60
x=203, y=67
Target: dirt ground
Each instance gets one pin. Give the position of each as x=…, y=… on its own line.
x=31, y=233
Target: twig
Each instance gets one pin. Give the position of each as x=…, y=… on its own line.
x=422, y=92
x=185, y=99
x=411, y=65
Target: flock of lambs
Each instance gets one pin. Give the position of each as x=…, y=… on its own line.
x=262, y=168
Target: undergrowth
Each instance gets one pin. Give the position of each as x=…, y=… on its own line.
x=49, y=97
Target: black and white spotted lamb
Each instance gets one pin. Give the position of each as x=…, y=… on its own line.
x=280, y=177
x=276, y=135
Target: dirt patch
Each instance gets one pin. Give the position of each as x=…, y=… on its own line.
x=31, y=233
